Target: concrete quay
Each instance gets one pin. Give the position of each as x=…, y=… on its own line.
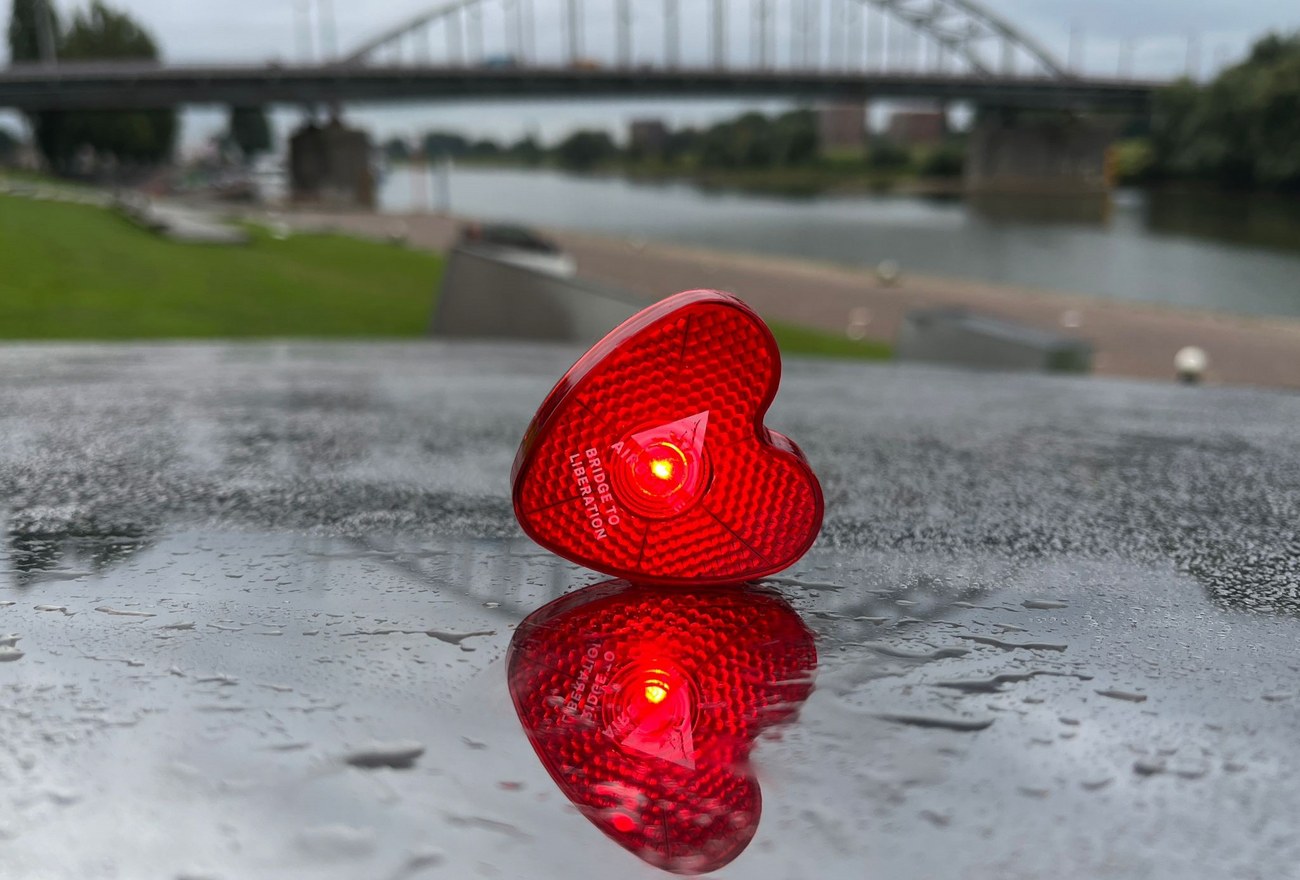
x=1136, y=340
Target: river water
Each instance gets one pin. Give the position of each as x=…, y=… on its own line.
x=1227, y=254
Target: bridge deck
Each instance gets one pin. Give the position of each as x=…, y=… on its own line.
x=136, y=85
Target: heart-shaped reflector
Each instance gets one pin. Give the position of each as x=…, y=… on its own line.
x=649, y=459
x=643, y=704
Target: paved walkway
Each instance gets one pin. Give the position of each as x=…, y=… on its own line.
x=1130, y=339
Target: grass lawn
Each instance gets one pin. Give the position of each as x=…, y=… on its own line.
x=795, y=339
x=77, y=272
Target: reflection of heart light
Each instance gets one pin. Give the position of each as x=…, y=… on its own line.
x=643, y=704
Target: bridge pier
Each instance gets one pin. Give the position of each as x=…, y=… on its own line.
x=1040, y=168
x=329, y=165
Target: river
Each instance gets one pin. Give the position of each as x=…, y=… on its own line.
x=1226, y=254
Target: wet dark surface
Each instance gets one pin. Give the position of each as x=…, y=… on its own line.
x=1058, y=623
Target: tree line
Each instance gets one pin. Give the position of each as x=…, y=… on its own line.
x=749, y=142
x=1241, y=130
x=98, y=32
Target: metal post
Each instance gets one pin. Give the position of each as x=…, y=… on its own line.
x=1193, y=56
x=812, y=52
x=764, y=32
x=672, y=34
x=1008, y=56
x=889, y=41
x=1075, y=58
x=426, y=53
x=580, y=33
x=455, y=42
x=853, y=42
x=872, y=38
x=798, y=37
x=1126, y=59
x=838, y=35
x=528, y=30
x=305, y=47
x=329, y=42
x=625, y=33
x=510, y=26
x=573, y=31
x=476, y=31
x=719, y=34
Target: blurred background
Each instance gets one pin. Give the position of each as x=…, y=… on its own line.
x=1031, y=185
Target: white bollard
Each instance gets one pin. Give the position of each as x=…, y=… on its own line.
x=1190, y=363
x=889, y=272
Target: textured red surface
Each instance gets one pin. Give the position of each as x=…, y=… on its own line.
x=668, y=780
x=757, y=508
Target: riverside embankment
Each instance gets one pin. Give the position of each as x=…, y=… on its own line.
x=1131, y=339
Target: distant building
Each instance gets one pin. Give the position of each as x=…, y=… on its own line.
x=842, y=127
x=648, y=137
x=921, y=128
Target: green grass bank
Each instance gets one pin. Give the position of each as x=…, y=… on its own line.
x=79, y=272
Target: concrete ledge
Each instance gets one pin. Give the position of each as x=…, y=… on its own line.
x=484, y=297
x=958, y=336
x=179, y=224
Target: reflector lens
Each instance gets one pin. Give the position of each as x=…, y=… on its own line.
x=649, y=459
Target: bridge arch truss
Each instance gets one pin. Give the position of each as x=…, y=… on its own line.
x=957, y=37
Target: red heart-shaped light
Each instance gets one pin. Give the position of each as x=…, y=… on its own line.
x=649, y=460
x=643, y=704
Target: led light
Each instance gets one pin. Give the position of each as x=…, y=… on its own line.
x=663, y=467
x=662, y=471
x=643, y=704
x=655, y=692
x=649, y=459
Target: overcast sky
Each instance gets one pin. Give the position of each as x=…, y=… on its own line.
x=1153, y=33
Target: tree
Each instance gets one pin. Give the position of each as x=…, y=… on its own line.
x=753, y=140
x=445, y=143
x=743, y=142
x=795, y=137
x=885, y=155
x=1243, y=129
x=95, y=33
x=250, y=131
x=680, y=144
x=584, y=150
x=9, y=144
x=28, y=33
x=527, y=151
x=397, y=150
x=484, y=149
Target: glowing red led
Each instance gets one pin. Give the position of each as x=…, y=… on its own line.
x=649, y=459
x=643, y=704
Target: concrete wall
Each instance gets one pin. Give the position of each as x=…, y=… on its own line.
x=330, y=165
x=485, y=297
x=1038, y=158
x=956, y=336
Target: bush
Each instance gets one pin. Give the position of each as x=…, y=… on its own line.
x=887, y=156
x=946, y=161
x=1131, y=160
